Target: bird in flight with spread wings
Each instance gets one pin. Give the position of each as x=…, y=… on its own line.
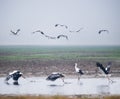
x=65, y=36
x=101, y=31
x=15, y=33
x=56, y=25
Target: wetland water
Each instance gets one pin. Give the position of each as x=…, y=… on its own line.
x=39, y=86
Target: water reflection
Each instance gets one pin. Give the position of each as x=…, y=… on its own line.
x=103, y=89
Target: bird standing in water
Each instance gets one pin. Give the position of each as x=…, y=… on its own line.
x=79, y=71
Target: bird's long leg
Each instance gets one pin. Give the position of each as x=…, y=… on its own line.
x=78, y=77
x=110, y=80
x=63, y=79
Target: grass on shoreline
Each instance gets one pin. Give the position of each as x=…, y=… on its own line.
x=52, y=53
x=59, y=97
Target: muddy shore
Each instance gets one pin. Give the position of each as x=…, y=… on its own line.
x=36, y=67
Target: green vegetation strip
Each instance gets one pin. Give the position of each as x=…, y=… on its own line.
x=52, y=53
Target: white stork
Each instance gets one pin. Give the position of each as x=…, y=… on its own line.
x=79, y=71
x=105, y=70
x=16, y=74
x=54, y=76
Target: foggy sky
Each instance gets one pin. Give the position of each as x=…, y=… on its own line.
x=32, y=15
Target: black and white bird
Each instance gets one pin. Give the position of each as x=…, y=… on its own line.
x=39, y=32
x=105, y=70
x=56, y=25
x=79, y=71
x=100, y=31
x=54, y=76
x=15, y=33
x=16, y=74
x=65, y=36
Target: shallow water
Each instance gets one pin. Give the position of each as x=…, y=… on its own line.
x=39, y=86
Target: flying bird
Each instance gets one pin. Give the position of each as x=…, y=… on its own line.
x=39, y=32
x=79, y=71
x=77, y=30
x=15, y=33
x=54, y=76
x=105, y=70
x=50, y=37
x=65, y=36
x=100, y=31
x=16, y=74
x=56, y=25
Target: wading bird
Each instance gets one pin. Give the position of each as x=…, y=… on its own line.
x=100, y=31
x=15, y=33
x=54, y=76
x=105, y=70
x=79, y=71
x=16, y=74
x=59, y=36
x=56, y=25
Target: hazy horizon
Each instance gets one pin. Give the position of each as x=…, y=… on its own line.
x=32, y=15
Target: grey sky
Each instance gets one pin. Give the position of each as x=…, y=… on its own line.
x=31, y=15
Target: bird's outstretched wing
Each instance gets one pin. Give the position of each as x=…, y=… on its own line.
x=50, y=37
x=76, y=30
x=79, y=30
x=17, y=30
x=54, y=76
x=61, y=25
x=39, y=32
x=101, y=67
x=100, y=31
x=8, y=77
x=12, y=32
x=15, y=33
x=65, y=36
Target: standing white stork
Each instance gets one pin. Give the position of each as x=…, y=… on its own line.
x=16, y=74
x=54, y=76
x=79, y=71
x=105, y=70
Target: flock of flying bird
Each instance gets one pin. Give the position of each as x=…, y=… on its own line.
x=59, y=36
x=16, y=74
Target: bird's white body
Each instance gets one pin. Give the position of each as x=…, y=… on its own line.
x=76, y=68
x=78, y=71
x=15, y=71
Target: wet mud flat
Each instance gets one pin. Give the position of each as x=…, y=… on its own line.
x=39, y=86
